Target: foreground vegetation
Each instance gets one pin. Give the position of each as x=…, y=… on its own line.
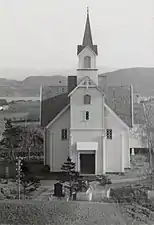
x=59, y=212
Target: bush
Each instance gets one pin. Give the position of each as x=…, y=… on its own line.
x=128, y=194
x=103, y=180
x=80, y=186
x=45, y=169
x=2, y=197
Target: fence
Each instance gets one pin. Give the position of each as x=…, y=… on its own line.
x=34, y=166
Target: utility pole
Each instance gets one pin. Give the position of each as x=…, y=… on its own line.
x=18, y=176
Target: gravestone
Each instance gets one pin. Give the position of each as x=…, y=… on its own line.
x=74, y=196
x=58, y=190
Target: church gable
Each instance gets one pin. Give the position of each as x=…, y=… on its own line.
x=86, y=83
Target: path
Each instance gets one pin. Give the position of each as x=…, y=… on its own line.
x=45, y=190
x=123, y=180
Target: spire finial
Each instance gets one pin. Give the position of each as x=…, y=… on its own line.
x=87, y=10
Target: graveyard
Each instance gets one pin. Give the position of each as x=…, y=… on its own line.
x=121, y=192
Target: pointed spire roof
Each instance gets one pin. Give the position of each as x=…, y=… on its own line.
x=87, y=38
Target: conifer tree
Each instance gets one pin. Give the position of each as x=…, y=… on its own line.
x=10, y=138
x=69, y=168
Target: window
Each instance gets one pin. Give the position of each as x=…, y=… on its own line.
x=87, y=62
x=64, y=134
x=87, y=115
x=109, y=133
x=87, y=99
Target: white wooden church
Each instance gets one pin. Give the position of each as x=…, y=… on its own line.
x=81, y=124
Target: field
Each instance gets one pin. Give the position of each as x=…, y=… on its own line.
x=30, y=107
x=10, y=99
x=24, y=111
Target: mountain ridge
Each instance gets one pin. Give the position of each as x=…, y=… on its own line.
x=142, y=79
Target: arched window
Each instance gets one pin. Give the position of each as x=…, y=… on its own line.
x=87, y=99
x=87, y=62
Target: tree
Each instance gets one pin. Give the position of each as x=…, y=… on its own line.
x=28, y=180
x=71, y=175
x=32, y=139
x=10, y=139
x=149, y=130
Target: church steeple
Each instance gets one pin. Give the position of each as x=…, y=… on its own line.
x=87, y=53
x=87, y=38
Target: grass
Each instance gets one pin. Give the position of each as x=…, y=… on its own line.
x=59, y=212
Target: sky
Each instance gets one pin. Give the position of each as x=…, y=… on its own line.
x=43, y=34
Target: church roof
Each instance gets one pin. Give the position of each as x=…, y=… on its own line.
x=87, y=38
x=51, y=107
x=117, y=98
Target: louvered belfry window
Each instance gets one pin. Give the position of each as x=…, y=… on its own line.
x=87, y=62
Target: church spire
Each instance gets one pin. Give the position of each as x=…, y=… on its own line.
x=87, y=39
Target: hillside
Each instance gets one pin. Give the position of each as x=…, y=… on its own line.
x=142, y=80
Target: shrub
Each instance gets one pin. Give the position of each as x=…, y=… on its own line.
x=45, y=169
x=80, y=185
x=128, y=194
x=103, y=179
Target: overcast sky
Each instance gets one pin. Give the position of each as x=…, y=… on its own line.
x=45, y=33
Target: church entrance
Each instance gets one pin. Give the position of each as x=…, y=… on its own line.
x=87, y=163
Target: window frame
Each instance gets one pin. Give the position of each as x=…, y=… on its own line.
x=87, y=113
x=87, y=61
x=87, y=99
x=109, y=134
x=64, y=134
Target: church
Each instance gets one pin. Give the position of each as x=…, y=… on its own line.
x=82, y=122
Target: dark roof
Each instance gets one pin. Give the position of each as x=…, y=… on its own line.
x=119, y=99
x=51, y=107
x=87, y=38
x=3, y=102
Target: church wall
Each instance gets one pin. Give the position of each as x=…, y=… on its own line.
x=127, y=150
x=78, y=109
x=59, y=149
x=117, y=148
x=91, y=130
x=87, y=135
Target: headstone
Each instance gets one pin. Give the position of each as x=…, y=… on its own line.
x=74, y=196
x=6, y=171
x=58, y=190
x=150, y=194
x=108, y=193
x=133, y=152
x=82, y=196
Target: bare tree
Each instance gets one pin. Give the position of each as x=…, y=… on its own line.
x=149, y=130
x=32, y=139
